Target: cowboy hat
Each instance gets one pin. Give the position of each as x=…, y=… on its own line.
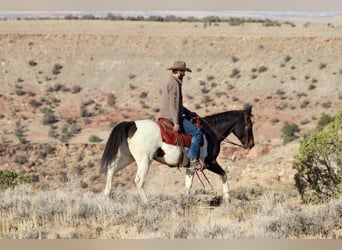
x=179, y=65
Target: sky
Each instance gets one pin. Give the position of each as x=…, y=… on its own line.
x=173, y=5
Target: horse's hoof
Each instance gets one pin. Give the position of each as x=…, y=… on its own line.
x=227, y=201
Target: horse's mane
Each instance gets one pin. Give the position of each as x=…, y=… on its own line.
x=221, y=117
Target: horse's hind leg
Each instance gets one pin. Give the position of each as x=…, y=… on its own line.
x=143, y=167
x=122, y=161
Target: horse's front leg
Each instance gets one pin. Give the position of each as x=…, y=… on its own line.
x=217, y=169
x=225, y=187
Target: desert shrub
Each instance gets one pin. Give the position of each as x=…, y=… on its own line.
x=76, y=89
x=20, y=159
x=230, y=86
x=32, y=63
x=202, y=83
x=288, y=58
x=68, y=131
x=289, y=132
x=111, y=100
x=322, y=65
x=324, y=121
x=57, y=69
x=214, y=85
x=280, y=92
x=304, y=104
x=319, y=163
x=49, y=117
x=312, y=86
x=132, y=87
x=34, y=103
x=235, y=73
x=10, y=179
x=94, y=138
x=85, y=113
x=53, y=132
x=131, y=76
x=87, y=103
x=326, y=104
x=143, y=95
x=204, y=90
x=235, y=59
x=20, y=92
x=210, y=77
x=274, y=121
x=46, y=150
x=262, y=69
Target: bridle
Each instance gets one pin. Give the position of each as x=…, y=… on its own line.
x=218, y=134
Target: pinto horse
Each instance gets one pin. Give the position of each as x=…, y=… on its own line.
x=141, y=141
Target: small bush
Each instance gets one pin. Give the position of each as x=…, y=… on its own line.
x=235, y=73
x=85, y=112
x=312, y=86
x=235, y=59
x=111, y=100
x=204, y=90
x=49, y=118
x=319, y=163
x=326, y=105
x=10, y=179
x=288, y=58
x=143, y=95
x=210, y=78
x=20, y=159
x=76, y=89
x=57, y=69
x=32, y=63
x=322, y=65
x=131, y=76
x=132, y=87
x=94, y=139
x=262, y=69
x=324, y=121
x=289, y=131
x=34, y=103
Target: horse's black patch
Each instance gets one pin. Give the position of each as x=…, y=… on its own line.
x=131, y=130
x=160, y=153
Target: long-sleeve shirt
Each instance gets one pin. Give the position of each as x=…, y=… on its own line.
x=172, y=101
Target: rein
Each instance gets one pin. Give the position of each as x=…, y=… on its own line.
x=218, y=134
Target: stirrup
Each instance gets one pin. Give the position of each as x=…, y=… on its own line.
x=195, y=165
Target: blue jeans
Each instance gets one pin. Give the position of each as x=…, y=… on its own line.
x=196, y=134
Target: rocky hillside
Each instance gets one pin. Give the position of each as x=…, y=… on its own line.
x=65, y=84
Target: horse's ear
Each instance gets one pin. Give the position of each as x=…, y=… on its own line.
x=249, y=110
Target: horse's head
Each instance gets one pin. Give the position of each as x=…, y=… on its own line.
x=244, y=129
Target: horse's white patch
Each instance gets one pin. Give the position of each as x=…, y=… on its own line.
x=172, y=154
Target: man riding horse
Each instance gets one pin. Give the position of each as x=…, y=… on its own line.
x=172, y=108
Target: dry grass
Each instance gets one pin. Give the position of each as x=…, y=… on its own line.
x=62, y=77
x=70, y=213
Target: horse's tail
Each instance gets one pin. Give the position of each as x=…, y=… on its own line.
x=118, y=135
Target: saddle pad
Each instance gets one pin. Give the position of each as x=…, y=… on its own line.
x=169, y=136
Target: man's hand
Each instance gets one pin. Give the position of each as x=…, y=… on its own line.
x=176, y=128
